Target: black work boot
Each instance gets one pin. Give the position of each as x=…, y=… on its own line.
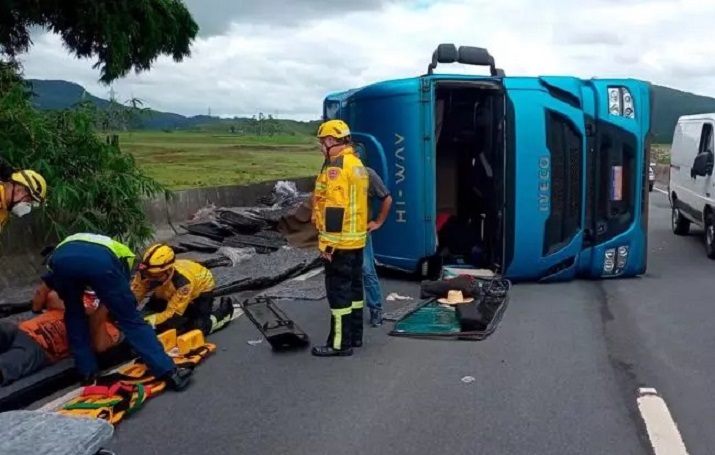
x=179, y=378
x=375, y=317
x=221, y=316
x=88, y=379
x=327, y=351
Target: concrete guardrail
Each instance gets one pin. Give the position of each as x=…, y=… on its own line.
x=23, y=239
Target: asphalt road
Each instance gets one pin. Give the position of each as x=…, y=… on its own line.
x=558, y=377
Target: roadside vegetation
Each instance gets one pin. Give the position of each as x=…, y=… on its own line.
x=189, y=159
x=94, y=185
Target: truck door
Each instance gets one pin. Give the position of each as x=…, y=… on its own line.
x=548, y=130
x=618, y=116
x=387, y=131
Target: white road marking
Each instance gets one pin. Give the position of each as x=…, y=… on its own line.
x=308, y=274
x=660, y=190
x=662, y=430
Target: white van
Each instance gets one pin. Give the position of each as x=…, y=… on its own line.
x=692, y=187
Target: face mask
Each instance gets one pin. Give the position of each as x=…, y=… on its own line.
x=21, y=209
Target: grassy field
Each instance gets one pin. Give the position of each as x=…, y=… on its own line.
x=660, y=153
x=183, y=160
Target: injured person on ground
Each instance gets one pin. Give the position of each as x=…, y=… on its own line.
x=40, y=341
x=180, y=293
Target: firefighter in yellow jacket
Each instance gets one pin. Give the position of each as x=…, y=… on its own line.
x=341, y=217
x=19, y=192
x=181, y=293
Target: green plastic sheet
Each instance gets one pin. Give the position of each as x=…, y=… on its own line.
x=430, y=319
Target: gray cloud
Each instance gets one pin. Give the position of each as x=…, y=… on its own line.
x=216, y=16
x=275, y=58
x=588, y=37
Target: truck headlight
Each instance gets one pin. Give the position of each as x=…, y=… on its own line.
x=614, y=101
x=608, y=265
x=629, y=109
x=622, y=257
x=620, y=102
x=609, y=260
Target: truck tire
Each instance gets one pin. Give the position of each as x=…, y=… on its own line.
x=650, y=187
x=709, y=236
x=680, y=224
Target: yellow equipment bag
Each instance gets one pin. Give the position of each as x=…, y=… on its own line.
x=123, y=392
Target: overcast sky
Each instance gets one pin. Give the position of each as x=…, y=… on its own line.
x=282, y=57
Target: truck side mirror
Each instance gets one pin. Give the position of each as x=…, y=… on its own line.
x=703, y=165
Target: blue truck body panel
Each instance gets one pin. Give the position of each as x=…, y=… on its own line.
x=393, y=124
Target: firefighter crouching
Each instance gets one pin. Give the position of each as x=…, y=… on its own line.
x=341, y=217
x=181, y=293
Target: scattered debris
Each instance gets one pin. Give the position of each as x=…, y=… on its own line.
x=393, y=296
x=255, y=342
x=468, y=379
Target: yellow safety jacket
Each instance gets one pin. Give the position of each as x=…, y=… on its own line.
x=341, y=203
x=189, y=280
x=4, y=212
x=123, y=252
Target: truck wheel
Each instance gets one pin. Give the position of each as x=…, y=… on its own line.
x=681, y=225
x=709, y=237
x=650, y=187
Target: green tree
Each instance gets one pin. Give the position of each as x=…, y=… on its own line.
x=122, y=35
x=93, y=185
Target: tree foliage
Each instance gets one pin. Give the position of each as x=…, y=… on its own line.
x=93, y=185
x=123, y=35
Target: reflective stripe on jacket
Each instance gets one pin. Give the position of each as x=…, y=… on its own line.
x=120, y=250
x=342, y=203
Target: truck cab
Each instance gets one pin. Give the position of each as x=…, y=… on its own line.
x=539, y=178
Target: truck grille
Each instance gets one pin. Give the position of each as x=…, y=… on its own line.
x=565, y=143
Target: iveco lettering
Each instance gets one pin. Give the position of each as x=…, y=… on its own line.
x=537, y=178
x=544, y=181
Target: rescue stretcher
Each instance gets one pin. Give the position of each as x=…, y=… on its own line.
x=121, y=393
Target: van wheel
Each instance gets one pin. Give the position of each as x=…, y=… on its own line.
x=709, y=237
x=681, y=225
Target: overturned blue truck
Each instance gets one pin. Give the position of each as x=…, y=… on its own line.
x=547, y=177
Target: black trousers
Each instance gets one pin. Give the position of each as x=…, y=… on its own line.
x=20, y=355
x=343, y=286
x=196, y=316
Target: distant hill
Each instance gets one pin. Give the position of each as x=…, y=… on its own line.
x=55, y=94
x=58, y=94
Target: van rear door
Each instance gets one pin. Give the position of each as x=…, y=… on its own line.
x=545, y=141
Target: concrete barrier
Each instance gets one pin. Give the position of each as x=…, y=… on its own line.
x=662, y=173
x=23, y=239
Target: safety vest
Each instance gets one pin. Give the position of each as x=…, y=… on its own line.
x=4, y=213
x=341, y=208
x=120, y=250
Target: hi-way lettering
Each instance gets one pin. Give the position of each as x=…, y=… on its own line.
x=401, y=207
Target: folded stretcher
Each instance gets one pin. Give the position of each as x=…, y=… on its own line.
x=277, y=328
x=121, y=393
